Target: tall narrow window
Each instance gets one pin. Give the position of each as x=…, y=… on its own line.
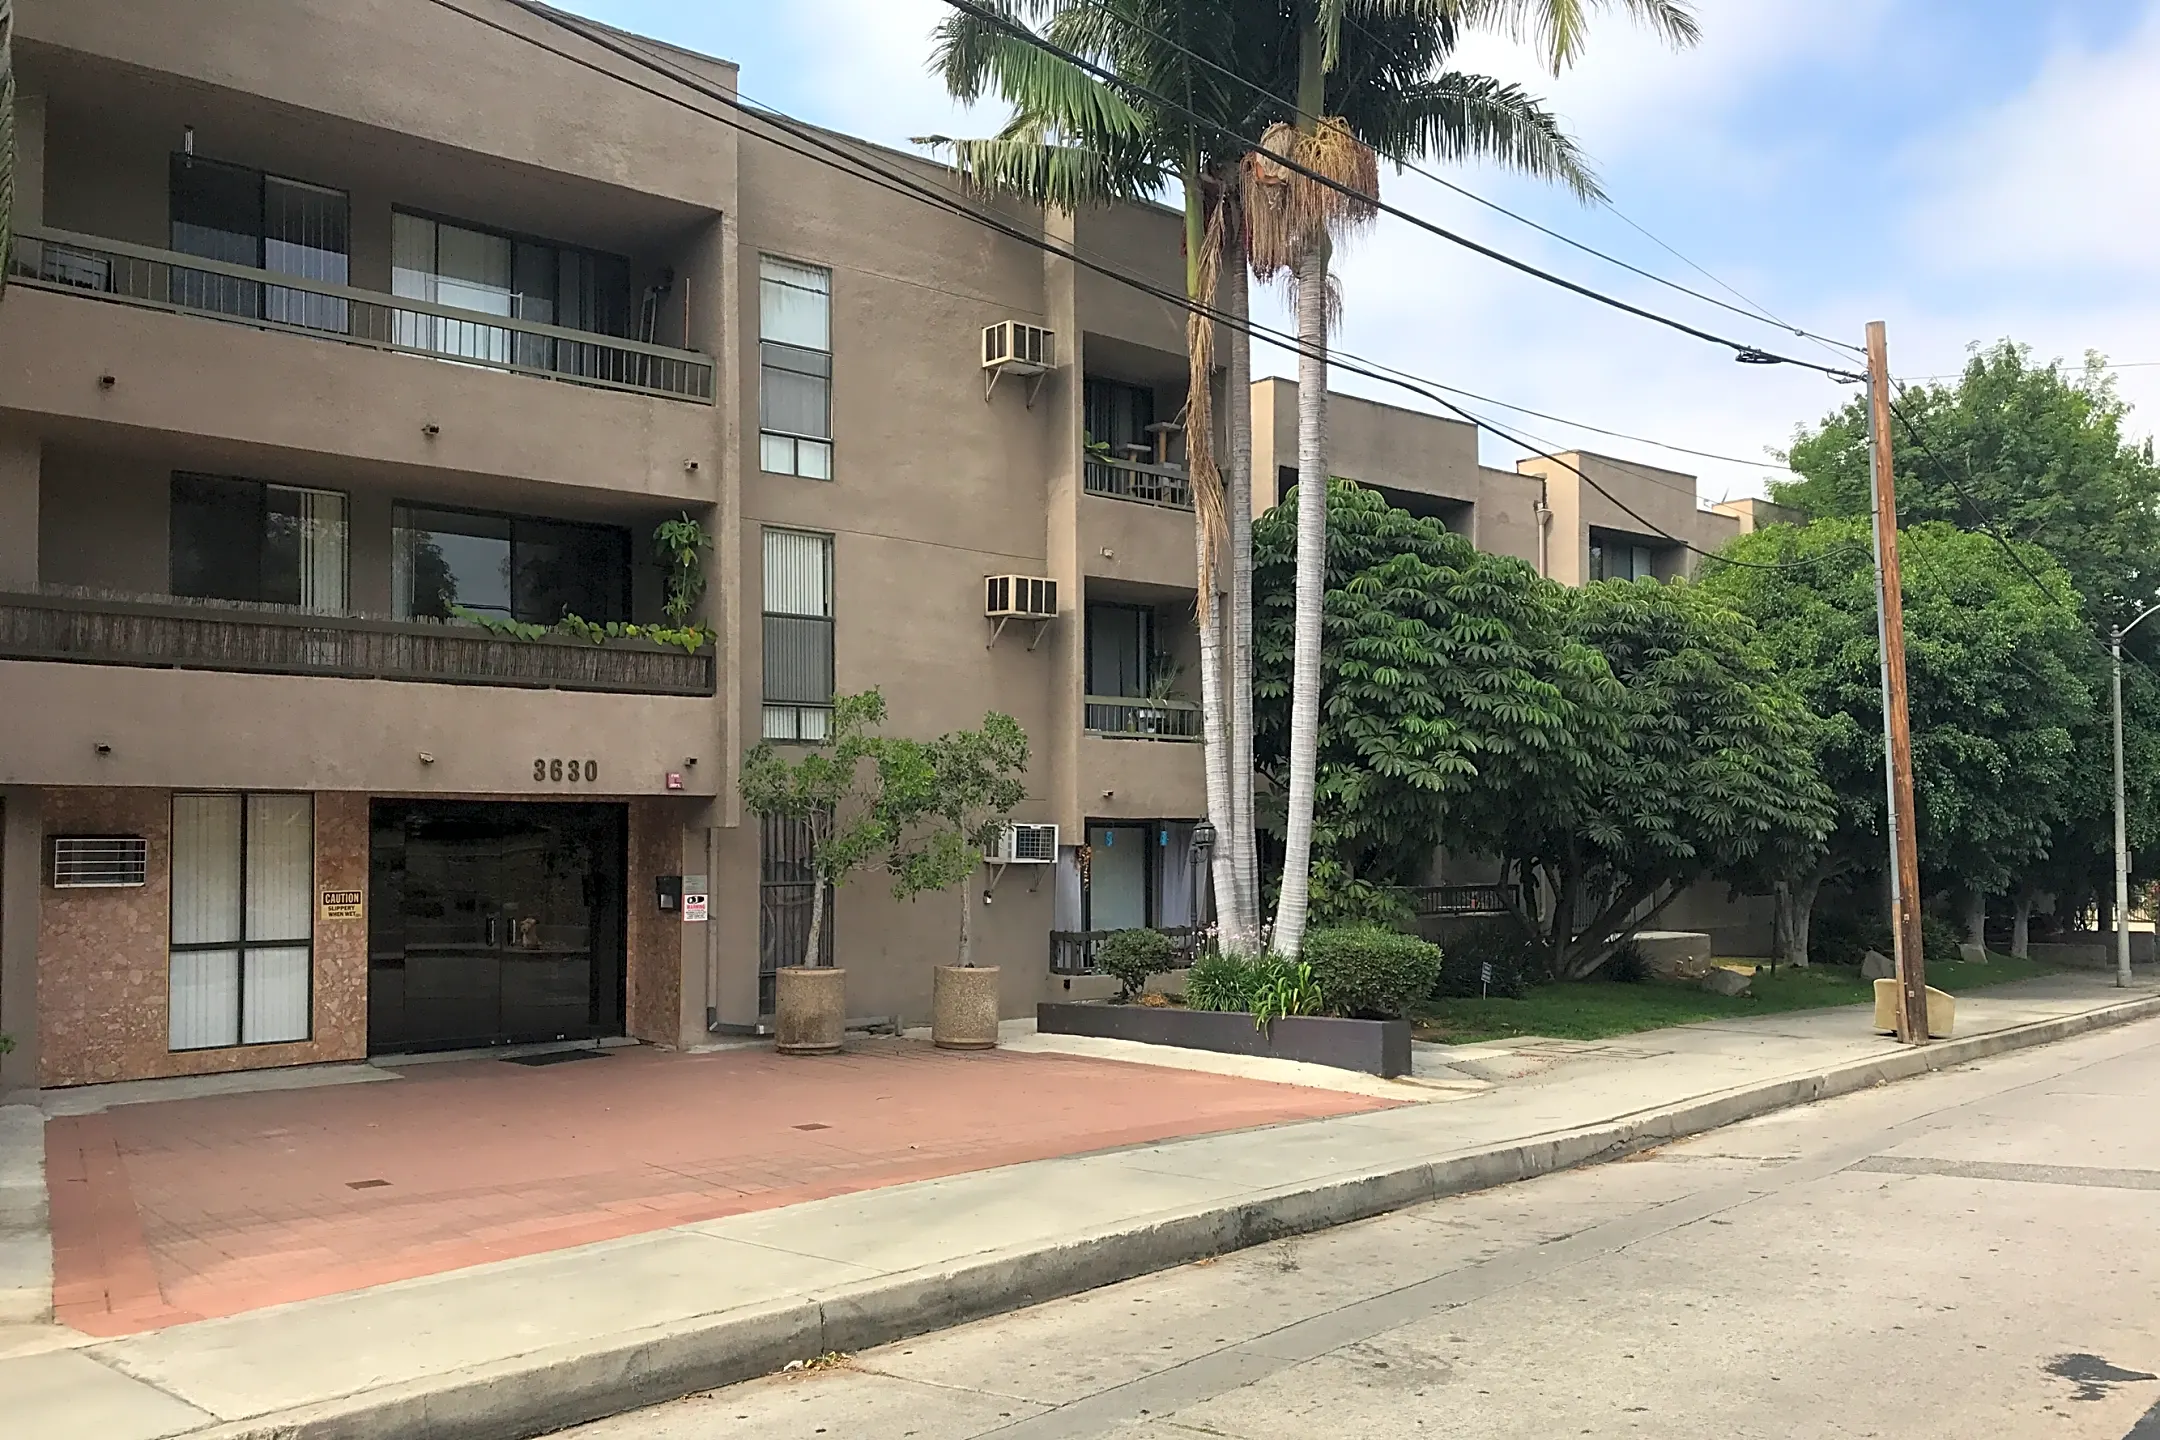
x=243, y=886
x=795, y=357
x=257, y=543
x=798, y=635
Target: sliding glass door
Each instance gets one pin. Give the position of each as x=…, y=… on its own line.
x=264, y=222
x=489, y=273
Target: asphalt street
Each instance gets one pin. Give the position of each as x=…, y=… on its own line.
x=1974, y=1253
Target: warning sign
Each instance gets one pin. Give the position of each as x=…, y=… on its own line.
x=693, y=908
x=342, y=905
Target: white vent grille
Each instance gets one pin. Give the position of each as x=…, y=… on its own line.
x=1026, y=845
x=1019, y=597
x=1018, y=346
x=99, y=862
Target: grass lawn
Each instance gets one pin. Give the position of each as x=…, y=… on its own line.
x=1595, y=1009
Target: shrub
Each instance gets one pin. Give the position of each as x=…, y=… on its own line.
x=1844, y=936
x=1499, y=942
x=1627, y=965
x=1132, y=956
x=1940, y=940
x=1371, y=973
x=1222, y=982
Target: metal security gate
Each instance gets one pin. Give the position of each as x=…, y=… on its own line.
x=784, y=897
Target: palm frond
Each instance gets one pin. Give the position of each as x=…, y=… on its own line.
x=1474, y=117
x=1559, y=29
x=1066, y=177
x=7, y=139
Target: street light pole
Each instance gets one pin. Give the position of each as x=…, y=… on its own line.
x=2122, y=822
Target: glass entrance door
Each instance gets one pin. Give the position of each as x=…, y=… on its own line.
x=1117, y=891
x=494, y=924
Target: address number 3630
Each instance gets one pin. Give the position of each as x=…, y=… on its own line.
x=565, y=771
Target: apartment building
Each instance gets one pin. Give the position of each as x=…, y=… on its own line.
x=351, y=345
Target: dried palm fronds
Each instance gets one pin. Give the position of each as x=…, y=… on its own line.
x=1204, y=474
x=1289, y=211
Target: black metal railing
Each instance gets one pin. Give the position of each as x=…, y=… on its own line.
x=1165, y=485
x=1072, y=952
x=265, y=299
x=1137, y=718
x=1457, y=899
x=181, y=635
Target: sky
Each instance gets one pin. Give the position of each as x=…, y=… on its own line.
x=1964, y=170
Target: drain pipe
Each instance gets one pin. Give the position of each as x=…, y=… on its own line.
x=1544, y=531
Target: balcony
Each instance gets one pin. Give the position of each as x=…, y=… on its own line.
x=1163, y=485
x=137, y=275
x=192, y=635
x=1138, y=718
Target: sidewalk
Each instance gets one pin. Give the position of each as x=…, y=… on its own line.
x=519, y=1346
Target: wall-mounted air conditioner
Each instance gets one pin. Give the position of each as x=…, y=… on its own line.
x=1014, y=347
x=1020, y=844
x=1019, y=597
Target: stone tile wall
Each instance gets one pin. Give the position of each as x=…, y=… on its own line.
x=652, y=1002
x=103, y=962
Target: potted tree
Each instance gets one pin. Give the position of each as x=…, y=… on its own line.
x=826, y=790
x=943, y=802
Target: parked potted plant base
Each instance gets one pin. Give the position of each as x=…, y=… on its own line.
x=809, y=1009
x=964, y=1007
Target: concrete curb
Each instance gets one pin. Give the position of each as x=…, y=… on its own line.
x=550, y=1389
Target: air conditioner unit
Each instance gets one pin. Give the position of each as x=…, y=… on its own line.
x=1019, y=597
x=1014, y=347
x=100, y=862
x=1025, y=845
x=1007, y=598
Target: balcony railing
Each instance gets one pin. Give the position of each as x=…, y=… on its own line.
x=1165, y=485
x=1072, y=952
x=266, y=300
x=1458, y=899
x=182, y=635
x=1136, y=718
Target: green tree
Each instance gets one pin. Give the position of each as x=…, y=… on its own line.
x=2040, y=448
x=827, y=790
x=1713, y=771
x=941, y=803
x=2000, y=677
x=1448, y=671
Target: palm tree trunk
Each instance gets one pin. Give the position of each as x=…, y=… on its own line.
x=7, y=139
x=1311, y=595
x=1244, y=849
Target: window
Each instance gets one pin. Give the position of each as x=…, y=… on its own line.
x=257, y=543
x=798, y=635
x=244, y=217
x=795, y=358
x=534, y=571
x=1616, y=557
x=243, y=890
x=1119, y=416
x=1120, y=650
x=497, y=274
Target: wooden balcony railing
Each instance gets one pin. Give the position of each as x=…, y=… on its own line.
x=1137, y=718
x=181, y=635
x=115, y=270
x=1165, y=485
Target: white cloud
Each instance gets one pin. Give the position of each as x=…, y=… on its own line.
x=2057, y=176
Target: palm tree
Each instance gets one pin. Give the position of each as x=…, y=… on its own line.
x=1074, y=141
x=7, y=140
x=1367, y=82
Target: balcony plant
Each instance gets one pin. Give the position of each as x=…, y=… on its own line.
x=942, y=803
x=830, y=789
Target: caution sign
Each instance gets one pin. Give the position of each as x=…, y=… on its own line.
x=343, y=905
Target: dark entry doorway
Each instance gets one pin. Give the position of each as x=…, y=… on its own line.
x=494, y=923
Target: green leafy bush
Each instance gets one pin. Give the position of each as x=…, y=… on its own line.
x=1627, y=965
x=1236, y=982
x=1499, y=942
x=1370, y=973
x=1131, y=956
x=1288, y=990
x=1843, y=936
x=1940, y=940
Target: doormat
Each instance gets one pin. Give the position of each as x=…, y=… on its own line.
x=553, y=1057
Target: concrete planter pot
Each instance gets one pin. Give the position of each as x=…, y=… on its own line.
x=809, y=1009
x=964, y=1007
x=1377, y=1047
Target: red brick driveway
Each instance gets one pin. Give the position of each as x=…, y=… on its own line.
x=186, y=1209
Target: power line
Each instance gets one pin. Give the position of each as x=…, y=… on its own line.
x=1743, y=352
x=1754, y=312
x=841, y=158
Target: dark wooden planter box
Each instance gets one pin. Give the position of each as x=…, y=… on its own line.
x=1377, y=1047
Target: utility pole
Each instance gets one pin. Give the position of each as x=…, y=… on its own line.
x=1897, y=725
x=2122, y=820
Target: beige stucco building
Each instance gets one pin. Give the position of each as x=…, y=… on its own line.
x=347, y=341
